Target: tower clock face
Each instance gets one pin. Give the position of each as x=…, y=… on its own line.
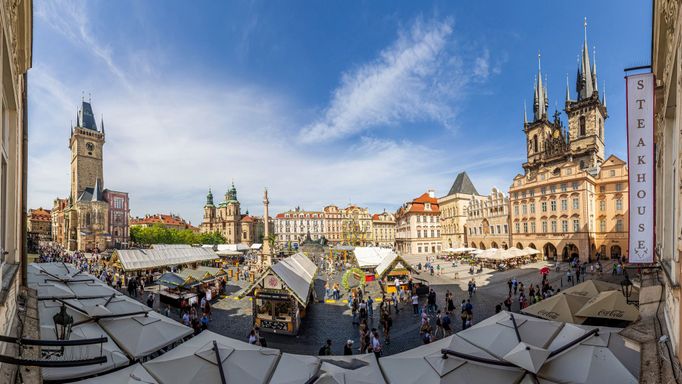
x=90, y=146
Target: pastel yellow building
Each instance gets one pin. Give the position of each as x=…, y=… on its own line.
x=453, y=211
x=383, y=229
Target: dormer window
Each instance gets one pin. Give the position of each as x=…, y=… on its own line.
x=427, y=206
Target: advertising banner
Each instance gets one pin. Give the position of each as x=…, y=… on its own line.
x=640, y=129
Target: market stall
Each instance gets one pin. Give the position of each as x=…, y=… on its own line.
x=282, y=294
x=392, y=268
x=160, y=257
x=368, y=258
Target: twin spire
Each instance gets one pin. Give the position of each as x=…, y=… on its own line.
x=586, y=83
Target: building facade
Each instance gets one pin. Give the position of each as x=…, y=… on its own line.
x=570, y=201
x=119, y=211
x=16, y=28
x=39, y=223
x=453, y=211
x=487, y=224
x=333, y=224
x=356, y=226
x=292, y=227
x=666, y=44
x=83, y=223
x=418, y=226
x=383, y=229
x=227, y=219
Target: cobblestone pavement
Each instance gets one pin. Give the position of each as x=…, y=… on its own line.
x=232, y=317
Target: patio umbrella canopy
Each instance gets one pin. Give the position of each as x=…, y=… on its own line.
x=591, y=288
x=195, y=361
x=560, y=307
x=295, y=369
x=609, y=305
x=134, y=374
x=357, y=369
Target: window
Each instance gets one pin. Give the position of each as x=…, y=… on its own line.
x=118, y=203
x=498, y=229
x=419, y=219
x=419, y=249
x=535, y=143
x=532, y=192
x=419, y=233
x=506, y=230
x=582, y=164
x=543, y=206
x=532, y=226
x=619, y=204
x=524, y=209
x=552, y=188
x=564, y=187
x=543, y=190
x=523, y=194
x=552, y=204
x=564, y=225
x=525, y=227
x=564, y=204
x=516, y=210
x=532, y=208
x=575, y=185
x=553, y=225
x=619, y=187
x=517, y=228
x=612, y=173
x=602, y=188
x=601, y=130
x=433, y=233
x=602, y=226
x=576, y=203
x=576, y=226
x=544, y=226
x=582, y=126
x=619, y=225
x=516, y=195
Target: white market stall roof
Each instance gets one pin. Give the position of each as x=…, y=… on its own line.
x=371, y=257
x=505, y=254
x=256, y=246
x=297, y=273
x=390, y=262
x=136, y=259
x=232, y=247
x=459, y=250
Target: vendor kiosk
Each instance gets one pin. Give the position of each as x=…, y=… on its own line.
x=282, y=294
x=393, y=267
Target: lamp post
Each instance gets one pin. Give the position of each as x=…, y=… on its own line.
x=626, y=287
x=62, y=324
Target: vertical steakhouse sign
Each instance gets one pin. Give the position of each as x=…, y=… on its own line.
x=640, y=120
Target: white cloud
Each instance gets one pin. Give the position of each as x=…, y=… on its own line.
x=482, y=65
x=415, y=79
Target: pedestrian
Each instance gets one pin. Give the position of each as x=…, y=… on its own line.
x=354, y=310
x=394, y=298
x=447, y=328
x=415, y=303
x=348, y=348
x=498, y=308
x=326, y=349
x=426, y=336
x=439, y=333
x=515, y=285
x=370, y=308
x=463, y=315
x=509, y=283
x=150, y=300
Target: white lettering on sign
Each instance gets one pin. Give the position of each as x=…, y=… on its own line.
x=640, y=120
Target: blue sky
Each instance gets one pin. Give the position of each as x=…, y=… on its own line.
x=370, y=102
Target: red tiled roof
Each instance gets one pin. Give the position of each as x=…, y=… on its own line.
x=159, y=219
x=375, y=216
x=40, y=214
x=247, y=218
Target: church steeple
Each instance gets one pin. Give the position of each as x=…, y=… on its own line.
x=540, y=96
x=209, y=198
x=585, y=84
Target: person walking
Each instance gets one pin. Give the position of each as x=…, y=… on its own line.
x=509, y=283
x=348, y=348
x=376, y=344
x=463, y=314
x=370, y=307
x=326, y=349
x=415, y=303
x=515, y=285
x=439, y=333
x=447, y=327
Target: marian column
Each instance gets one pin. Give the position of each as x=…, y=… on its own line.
x=267, y=252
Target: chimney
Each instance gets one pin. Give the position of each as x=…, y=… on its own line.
x=432, y=193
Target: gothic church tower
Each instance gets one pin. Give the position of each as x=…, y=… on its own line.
x=586, y=114
x=86, y=145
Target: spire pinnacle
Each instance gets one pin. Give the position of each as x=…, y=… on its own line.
x=603, y=100
x=594, y=68
x=525, y=115
x=568, y=89
x=585, y=27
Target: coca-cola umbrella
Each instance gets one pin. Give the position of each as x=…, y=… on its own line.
x=609, y=305
x=560, y=307
x=544, y=270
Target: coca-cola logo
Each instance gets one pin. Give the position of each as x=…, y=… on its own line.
x=614, y=313
x=548, y=314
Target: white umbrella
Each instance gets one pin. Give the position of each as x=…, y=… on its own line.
x=591, y=288
x=528, y=357
x=560, y=307
x=294, y=369
x=356, y=369
x=609, y=305
x=142, y=335
x=134, y=374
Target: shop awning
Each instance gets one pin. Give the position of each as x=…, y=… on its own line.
x=297, y=273
x=137, y=259
x=390, y=262
x=371, y=257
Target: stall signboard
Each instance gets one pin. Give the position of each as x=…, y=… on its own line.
x=272, y=282
x=640, y=130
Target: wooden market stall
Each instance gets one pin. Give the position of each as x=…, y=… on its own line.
x=282, y=294
x=392, y=268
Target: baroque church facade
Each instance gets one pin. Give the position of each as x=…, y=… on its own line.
x=571, y=200
x=92, y=217
x=226, y=218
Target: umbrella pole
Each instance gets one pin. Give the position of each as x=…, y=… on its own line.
x=220, y=363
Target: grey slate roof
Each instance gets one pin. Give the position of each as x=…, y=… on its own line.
x=86, y=118
x=92, y=193
x=463, y=184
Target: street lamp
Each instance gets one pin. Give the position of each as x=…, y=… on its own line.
x=62, y=324
x=626, y=287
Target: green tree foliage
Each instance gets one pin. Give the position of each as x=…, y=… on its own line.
x=158, y=234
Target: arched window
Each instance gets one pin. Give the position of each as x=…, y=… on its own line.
x=582, y=125
x=535, y=143
x=601, y=130
x=582, y=164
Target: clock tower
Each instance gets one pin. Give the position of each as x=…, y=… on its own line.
x=86, y=144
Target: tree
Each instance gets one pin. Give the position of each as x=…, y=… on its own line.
x=158, y=234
